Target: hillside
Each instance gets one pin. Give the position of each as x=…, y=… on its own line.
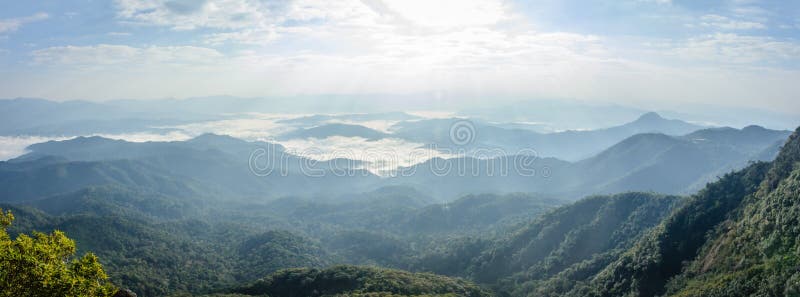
x=755, y=251
x=358, y=281
x=736, y=237
x=190, y=217
x=570, y=242
x=219, y=166
x=163, y=258
x=661, y=163
x=157, y=244
x=643, y=162
x=400, y=148
x=208, y=165
x=39, y=178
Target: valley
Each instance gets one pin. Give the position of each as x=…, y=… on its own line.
x=192, y=217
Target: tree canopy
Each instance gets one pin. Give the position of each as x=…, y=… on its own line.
x=44, y=265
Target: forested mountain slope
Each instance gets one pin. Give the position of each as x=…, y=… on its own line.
x=756, y=251
x=180, y=217
x=359, y=281
x=643, y=162
x=737, y=237
x=163, y=258
x=209, y=165
x=157, y=244
x=568, y=243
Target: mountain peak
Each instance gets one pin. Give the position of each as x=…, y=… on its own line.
x=650, y=116
x=652, y=122
x=210, y=137
x=89, y=139
x=74, y=142
x=754, y=128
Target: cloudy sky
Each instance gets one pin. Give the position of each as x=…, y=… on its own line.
x=725, y=52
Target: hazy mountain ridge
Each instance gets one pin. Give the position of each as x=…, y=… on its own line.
x=217, y=165
x=400, y=148
x=329, y=130
x=712, y=244
x=734, y=238
x=321, y=119
x=643, y=162
x=221, y=164
x=152, y=209
x=567, y=145
x=26, y=116
x=546, y=257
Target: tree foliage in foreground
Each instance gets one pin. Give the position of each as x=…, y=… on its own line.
x=43, y=265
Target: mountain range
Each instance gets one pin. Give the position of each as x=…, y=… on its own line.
x=213, y=165
x=566, y=145
x=643, y=162
x=735, y=237
x=667, y=209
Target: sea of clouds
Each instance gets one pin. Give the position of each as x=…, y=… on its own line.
x=378, y=156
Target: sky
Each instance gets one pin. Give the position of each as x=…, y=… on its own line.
x=651, y=53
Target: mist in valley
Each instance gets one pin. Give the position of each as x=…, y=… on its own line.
x=399, y=148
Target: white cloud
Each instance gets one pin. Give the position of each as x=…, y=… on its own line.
x=341, y=46
x=123, y=34
x=187, y=15
x=726, y=23
x=748, y=10
x=447, y=14
x=378, y=125
x=14, y=146
x=258, y=127
x=399, y=46
x=253, y=21
x=388, y=38
x=249, y=36
x=11, y=25
x=106, y=54
x=145, y=136
x=738, y=49
x=380, y=157
x=476, y=62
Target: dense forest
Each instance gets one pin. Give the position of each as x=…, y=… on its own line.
x=735, y=237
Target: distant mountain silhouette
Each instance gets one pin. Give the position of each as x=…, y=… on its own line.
x=652, y=122
x=328, y=130
x=220, y=164
x=25, y=116
x=566, y=145
x=643, y=162
x=321, y=119
x=207, y=165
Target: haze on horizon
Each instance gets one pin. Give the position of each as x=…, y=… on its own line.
x=646, y=53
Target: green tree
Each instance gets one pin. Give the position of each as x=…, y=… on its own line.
x=43, y=265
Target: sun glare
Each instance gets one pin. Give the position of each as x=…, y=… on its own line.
x=448, y=13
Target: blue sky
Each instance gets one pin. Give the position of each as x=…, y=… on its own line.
x=650, y=53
